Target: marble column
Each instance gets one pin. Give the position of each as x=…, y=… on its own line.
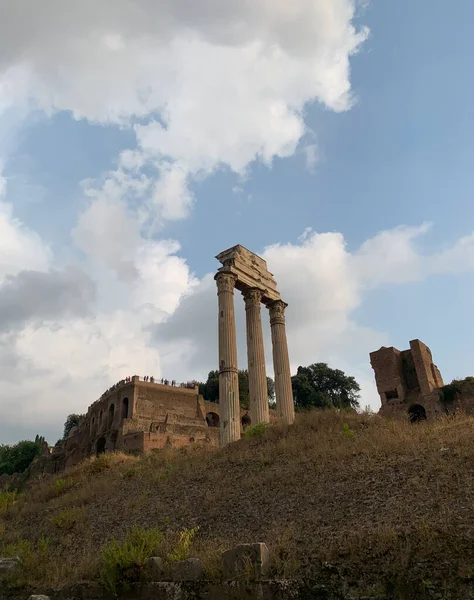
x=281, y=363
x=228, y=372
x=258, y=394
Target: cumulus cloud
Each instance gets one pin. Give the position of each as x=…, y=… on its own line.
x=20, y=248
x=37, y=296
x=214, y=83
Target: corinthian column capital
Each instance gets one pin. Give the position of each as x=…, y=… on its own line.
x=252, y=297
x=225, y=282
x=277, y=311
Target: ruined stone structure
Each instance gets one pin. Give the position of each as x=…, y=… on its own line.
x=245, y=271
x=138, y=417
x=410, y=384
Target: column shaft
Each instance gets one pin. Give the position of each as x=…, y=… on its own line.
x=258, y=394
x=281, y=363
x=228, y=372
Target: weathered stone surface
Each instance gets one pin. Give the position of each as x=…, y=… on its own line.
x=38, y=597
x=7, y=564
x=188, y=570
x=153, y=570
x=246, y=560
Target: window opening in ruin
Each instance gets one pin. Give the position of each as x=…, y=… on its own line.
x=246, y=421
x=212, y=419
x=391, y=395
x=100, y=446
x=417, y=413
x=125, y=408
x=111, y=415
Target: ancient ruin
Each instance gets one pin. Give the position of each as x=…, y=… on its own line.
x=410, y=384
x=245, y=271
x=139, y=416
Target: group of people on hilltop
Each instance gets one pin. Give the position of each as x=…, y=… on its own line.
x=148, y=378
x=173, y=383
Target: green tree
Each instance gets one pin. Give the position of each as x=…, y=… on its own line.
x=18, y=457
x=210, y=389
x=319, y=386
x=71, y=421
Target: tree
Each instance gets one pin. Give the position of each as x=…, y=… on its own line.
x=71, y=421
x=18, y=457
x=210, y=389
x=318, y=386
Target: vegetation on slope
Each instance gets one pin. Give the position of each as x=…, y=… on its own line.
x=18, y=457
x=338, y=496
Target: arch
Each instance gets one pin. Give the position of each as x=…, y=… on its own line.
x=125, y=408
x=417, y=413
x=111, y=415
x=246, y=421
x=100, y=447
x=212, y=419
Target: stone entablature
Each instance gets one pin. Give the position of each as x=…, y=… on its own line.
x=245, y=271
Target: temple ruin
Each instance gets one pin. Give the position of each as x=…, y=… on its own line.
x=245, y=271
x=139, y=416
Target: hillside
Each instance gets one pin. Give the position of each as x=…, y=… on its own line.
x=336, y=497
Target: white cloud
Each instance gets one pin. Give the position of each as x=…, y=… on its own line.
x=20, y=248
x=228, y=80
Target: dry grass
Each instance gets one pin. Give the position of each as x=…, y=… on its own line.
x=337, y=494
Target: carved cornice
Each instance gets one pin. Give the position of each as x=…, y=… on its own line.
x=252, y=297
x=225, y=282
x=277, y=312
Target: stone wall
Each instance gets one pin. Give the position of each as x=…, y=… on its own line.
x=410, y=384
x=139, y=416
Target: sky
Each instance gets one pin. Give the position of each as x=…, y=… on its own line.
x=140, y=138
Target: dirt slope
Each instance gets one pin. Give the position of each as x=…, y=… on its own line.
x=374, y=503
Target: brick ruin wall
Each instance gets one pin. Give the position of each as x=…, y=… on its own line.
x=139, y=417
x=410, y=384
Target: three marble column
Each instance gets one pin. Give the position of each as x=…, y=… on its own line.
x=228, y=370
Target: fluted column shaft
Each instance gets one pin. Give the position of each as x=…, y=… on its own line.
x=281, y=363
x=228, y=371
x=258, y=395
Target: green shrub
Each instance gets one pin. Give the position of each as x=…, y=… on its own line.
x=256, y=430
x=67, y=519
x=346, y=430
x=123, y=561
x=7, y=500
x=35, y=561
x=181, y=550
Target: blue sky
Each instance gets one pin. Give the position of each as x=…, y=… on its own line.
x=269, y=140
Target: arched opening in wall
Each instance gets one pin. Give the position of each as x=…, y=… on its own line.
x=100, y=448
x=113, y=440
x=212, y=419
x=111, y=416
x=125, y=408
x=246, y=421
x=417, y=413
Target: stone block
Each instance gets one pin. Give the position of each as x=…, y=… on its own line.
x=153, y=569
x=38, y=597
x=7, y=564
x=251, y=561
x=188, y=570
